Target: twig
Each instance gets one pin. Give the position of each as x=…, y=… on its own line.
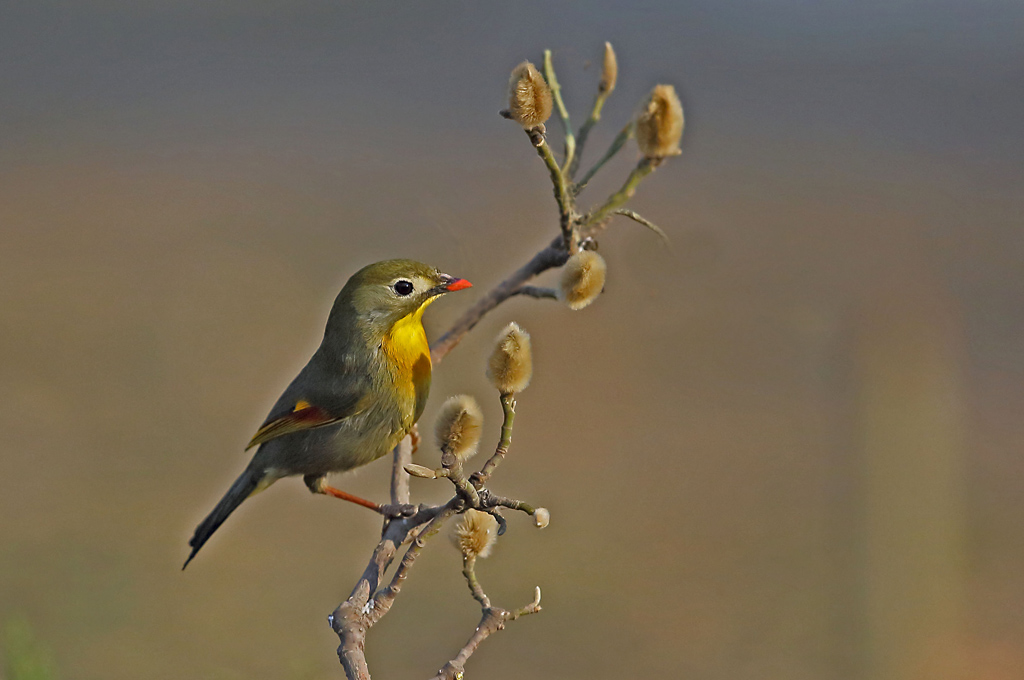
x=554, y=255
x=453, y=471
x=387, y=595
x=561, y=187
x=490, y=500
x=493, y=620
x=620, y=140
x=538, y=292
x=351, y=619
x=508, y=405
x=399, y=477
x=590, y=122
x=563, y=113
x=636, y=217
x=645, y=167
x=469, y=571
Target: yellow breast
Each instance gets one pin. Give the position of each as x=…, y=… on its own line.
x=407, y=348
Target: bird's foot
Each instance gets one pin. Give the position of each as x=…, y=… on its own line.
x=397, y=510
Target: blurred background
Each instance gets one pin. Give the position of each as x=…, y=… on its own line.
x=788, y=447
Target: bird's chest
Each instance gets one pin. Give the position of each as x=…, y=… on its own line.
x=407, y=356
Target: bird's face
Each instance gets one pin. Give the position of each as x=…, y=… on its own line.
x=386, y=292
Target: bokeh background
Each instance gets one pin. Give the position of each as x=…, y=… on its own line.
x=788, y=447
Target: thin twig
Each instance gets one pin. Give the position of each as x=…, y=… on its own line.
x=554, y=255
x=636, y=217
x=538, y=292
x=561, y=188
x=563, y=113
x=490, y=500
x=590, y=122
x=469, y=571
x=493, y=620
x=508, y=405
x=617, y=144
x=645, y=167
x=387, y=595
x=453, y=471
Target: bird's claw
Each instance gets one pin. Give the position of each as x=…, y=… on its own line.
x=398, y=511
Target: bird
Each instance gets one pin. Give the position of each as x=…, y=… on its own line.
x=361, y=392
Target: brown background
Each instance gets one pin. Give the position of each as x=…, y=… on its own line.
x=789, y=447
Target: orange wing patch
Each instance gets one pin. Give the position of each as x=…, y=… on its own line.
x=304, y=416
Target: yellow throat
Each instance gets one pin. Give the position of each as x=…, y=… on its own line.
x=406, y=344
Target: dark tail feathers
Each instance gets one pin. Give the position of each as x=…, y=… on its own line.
x=238, y=492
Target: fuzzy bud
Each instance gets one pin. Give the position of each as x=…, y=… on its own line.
x=511, y=364
x=458, y=426
x=609, y=70
x=582, y=279
x=475, y=533
x=529, y=97
x=659, y=124
x=541, y=517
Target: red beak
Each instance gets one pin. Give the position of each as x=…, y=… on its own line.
x=457, y=284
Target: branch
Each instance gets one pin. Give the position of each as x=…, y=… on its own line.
x=493, y=620
x=620, y=140
x=636, y=217
x=538, y=292
x=469, y=571
x=645, y=167
x=508, y=405
x=563, y=113
x=561, y=185
x=352, y=618
x=386, y=596
x=369, y=601
x=554, y=255
x=590, y=122
x=399, y=477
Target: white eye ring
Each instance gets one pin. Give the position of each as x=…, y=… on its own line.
x=403, y=287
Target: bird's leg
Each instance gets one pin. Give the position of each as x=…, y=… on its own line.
x=318, y=484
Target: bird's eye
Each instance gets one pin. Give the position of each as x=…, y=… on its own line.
x=403, y=287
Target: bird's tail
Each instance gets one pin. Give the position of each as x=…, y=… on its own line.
x=243, y=487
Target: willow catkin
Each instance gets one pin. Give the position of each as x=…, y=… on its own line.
x=475, y=533
x=582, y=279
x=458, y=426
x=529, y=97
x=511, y=364
x=659, y=123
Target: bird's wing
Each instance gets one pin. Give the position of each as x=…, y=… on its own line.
x=303, y=408
x=303, y=416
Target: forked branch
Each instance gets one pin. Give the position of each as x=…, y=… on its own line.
x=657, y=128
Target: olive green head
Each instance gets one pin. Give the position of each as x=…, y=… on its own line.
x=380, y=294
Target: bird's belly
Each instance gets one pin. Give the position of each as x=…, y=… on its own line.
x=356, y=441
